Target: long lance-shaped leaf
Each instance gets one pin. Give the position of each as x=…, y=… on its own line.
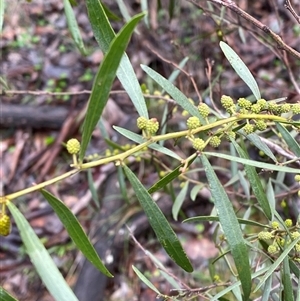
x=211, y=218
x=5, y=296
x=255, y=183
x=104, y=34
x=254, y=163
x=75, y=231
x=241, y=69
x=289, y=139
x=230, y=227
x=176, y=94
x=287, y=280
x=159, y=223
x=104, y=80
x=73, y=27
x=41, y=259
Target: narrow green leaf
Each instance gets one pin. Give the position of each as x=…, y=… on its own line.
x=241, y=69
x=230, y=226
x=179, y=200
x=287, y=281
x=2, y=9
x=271, y=198
x=168, y=178
x=289, y=139
x=255, y=139
x=92, y=188
x=73, y=27
x=110, y=15
x=255, y=183
x=261, y=165
x=75, y=231
x=124, y=10
x=139, y=139
x=267, y=289
x=104, y=80
x=159, y=223
x=175, y=93
x=278, y=261
x=5, y=296
x=104, y=35
x=145, y=280
x=211, y=218
x=40, y=258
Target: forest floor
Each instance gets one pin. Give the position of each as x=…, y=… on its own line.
x=48, y=86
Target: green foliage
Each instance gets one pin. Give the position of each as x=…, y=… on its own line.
x=251, y=250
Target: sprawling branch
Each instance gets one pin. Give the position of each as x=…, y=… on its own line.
x=233, y=7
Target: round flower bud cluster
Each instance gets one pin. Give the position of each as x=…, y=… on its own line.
x=275, y=225
x=244, y=103
x=227, y=102
x=203, y=109
x=248, y=128
x=4, y=224
x=261, y=124
x=198, y=144
x=73, y=146
x=295, y=235
x=264, y=235
x=272, y=249
x=262, y=103
x=297, y=178
x=255, y=108
x=297, y=248
x=142, y=123
x=231, y=134
x=215, y=141
x=193, y=123
x=295, y=108
x=284, y=108
x=288, y=222
x=152, y=126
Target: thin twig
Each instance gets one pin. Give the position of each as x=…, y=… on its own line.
x=290, y=8
x=190, y=76
x=233, y=7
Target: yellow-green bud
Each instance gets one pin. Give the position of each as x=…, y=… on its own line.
x=288, y=222
x=263, y=103
x=193, y=122
x=231, y=134
x=141, y=122
x=255, y=108
x=295, y=235
x=296, y=108
x=4, y=224
x=297, y=247
x=214, y=141
x=244, y=103
x=264, y=235
x=152, y=126
x=226, y=101
x=73, y=146
x=203, y=109
x=261, y=125
x=285, y=108
x=297, y=178
x=272, y=249
x=198, y=144
x=248, y=128
x=275, y=225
